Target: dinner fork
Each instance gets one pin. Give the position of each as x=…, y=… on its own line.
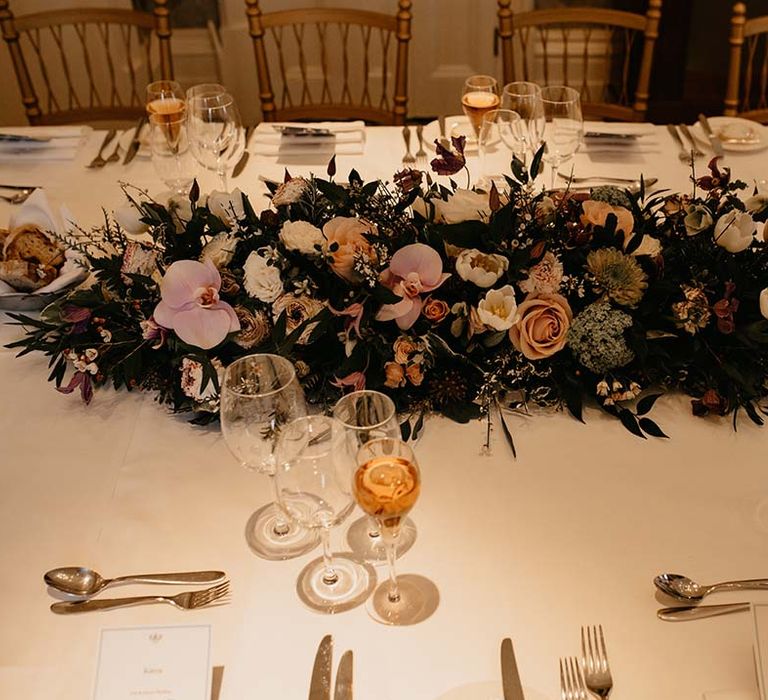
x=683, y=153
x=688, y=135
x=421, y=154
x=594, y=661
x=98, y=161
x=571, y=681
x=408, y=158
x=184, y=601
x=115, y=155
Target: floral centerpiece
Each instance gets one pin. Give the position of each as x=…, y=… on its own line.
x=452, y=301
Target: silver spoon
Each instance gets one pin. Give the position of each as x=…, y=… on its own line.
x=683, y=588
x=82, y=581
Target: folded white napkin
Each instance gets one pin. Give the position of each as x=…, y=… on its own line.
x=347, y=138
x=63, y=144
x=731, y=695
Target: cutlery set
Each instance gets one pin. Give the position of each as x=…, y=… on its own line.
x=84, y=583
x=320, y=683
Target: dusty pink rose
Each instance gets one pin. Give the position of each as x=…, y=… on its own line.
x=344, y=240
x=191, y=306
x=414, y=270
x=542, y=327
x=595, y=213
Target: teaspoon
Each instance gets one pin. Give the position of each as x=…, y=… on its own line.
x=82, y=581
x=683, y=588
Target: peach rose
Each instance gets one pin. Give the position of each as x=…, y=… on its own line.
x=404, y=349
x=542, y=327
x=415, y=374
x=595, y=213
x=435, y=310
x=395, y=375
x=344, y=240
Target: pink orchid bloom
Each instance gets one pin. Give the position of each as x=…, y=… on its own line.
x=191, y=306
x=414, y=270
x=355, y=313
x=355, y=380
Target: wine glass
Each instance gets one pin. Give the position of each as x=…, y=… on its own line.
x=165, y=102
x=480, y=95
x=386, y=485
x=368, y=415
x=525, y=99
x=315, y=463
x=260, y=394
x=171, y=154
x=501, y=138
x=215, y=129
x=563, y=126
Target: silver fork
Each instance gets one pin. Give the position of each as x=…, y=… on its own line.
x=115, y=155
x=421, y=154
x=408, y=158
x=594, y=661
x=571, y=681
x=185, y=601
x=683, y=153
x=98, y=161
x=688, y=135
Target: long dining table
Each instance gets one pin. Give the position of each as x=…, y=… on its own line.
x=571, y=532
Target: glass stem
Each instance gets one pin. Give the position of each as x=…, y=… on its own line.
x=330, y=576
x=281, y=527
x=373, y=529
x=390, y=542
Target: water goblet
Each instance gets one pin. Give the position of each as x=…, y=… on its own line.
x=525, y=99
x=368, y=415
x=260, y=394
x=315, y=463
x=171, y=154
x=479, y=95
x=563, y=127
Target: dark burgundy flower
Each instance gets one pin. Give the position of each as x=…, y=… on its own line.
x=449, y=162
x=408, y=179
x=716, y=179
x=710, y=402
x=82, y=380
x=725, y=309
x=77, y=316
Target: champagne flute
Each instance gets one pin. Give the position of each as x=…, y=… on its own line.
x=501, y=138
x=315, y=464
x=480, y=95
x=368, y=415
x=260, y=394
x=386, y=485
x=166, y=106
x=525, y=99
x=563, y=126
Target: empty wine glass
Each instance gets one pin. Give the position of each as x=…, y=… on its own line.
x=501, y=138
x=479, y=95
x=563, y=126
x=368, y=415
x=525, y=99
x=386, y=485
x=215, y=130
x=315, y=463
x=259, y=395
x=171, y=154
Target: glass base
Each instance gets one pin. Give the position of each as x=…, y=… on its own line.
x=354, y=582
x=371, y=549
x=418, y=599
x=267, y=542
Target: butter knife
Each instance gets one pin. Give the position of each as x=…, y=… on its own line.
x=717, y=146
x=343, y=688
x=320, y=685
x=135, y=144
x=510, y=678
x=240, y=165
x=694, y=612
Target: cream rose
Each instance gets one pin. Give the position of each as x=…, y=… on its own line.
x=227, y=206
x=219, y=250
x=344, y=240
x=648, y=246
x=764, y=303
x=542, y=326
x=735, y=231
x=596, y=213
x=499, y=308
x=302, y=236
x=482, y=269
x=260, y=279
x=129, y=219
x=544, y=277
x=698, y=218
x=462, y=205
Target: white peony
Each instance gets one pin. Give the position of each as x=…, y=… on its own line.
x=735, y=231
x=498, y=309
x=227, y=206
x=462, y=205
x=764, y=303
x=482, y=269
x=260, y=279
x=302, y=237
x=219, y=250
x=129, y=219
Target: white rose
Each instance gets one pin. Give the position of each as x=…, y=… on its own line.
x=129, y=219
x=301, y=236
x=462, y=205
x=260, y=279
x=764, y=303
x=648, y=246
x=227, y=206
x=482, y=269
x=180, y=206
x=735, y=231
x=498, y=310
x=219, y=250
x=698, y=218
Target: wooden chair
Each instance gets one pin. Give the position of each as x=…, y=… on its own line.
x=579, y=45
x=85, y=65
x=305, y=51
x=745, y=92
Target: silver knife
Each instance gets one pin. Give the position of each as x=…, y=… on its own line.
x=320, y=685
x=343, y=688
x=694, y=612
x=510, y=678
x=240, y=165
x=135, y=144
x=17, y=138
x=717, y=146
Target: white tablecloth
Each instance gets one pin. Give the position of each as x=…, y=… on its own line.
x=570, y=533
